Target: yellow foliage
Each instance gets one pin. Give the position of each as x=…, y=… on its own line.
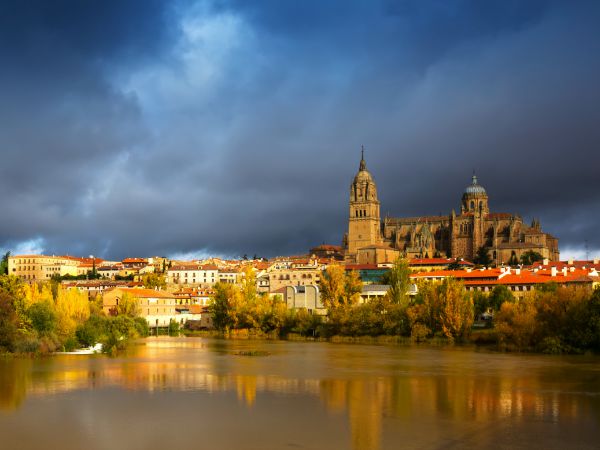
x=72, y=309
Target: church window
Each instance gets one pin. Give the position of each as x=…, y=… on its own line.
x=472, y=205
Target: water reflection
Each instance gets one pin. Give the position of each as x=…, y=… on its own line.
x=379, y=391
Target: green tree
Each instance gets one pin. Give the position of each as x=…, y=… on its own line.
x=225, y=307
x=4, y=264
x=454, y=265
x=530, y=257
x=399, y=281
x=499, y=295
x=483, y=256
x=513, y=261
x=43, y=317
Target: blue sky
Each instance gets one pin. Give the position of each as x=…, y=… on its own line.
x=224, y=127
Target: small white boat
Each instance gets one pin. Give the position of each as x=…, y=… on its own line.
x=84, y=351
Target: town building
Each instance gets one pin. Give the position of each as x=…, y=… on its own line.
x=44, y=267
x=456, y=235
x=157, y=307
x=519, y=281
x=306, y=296
x=193, y=275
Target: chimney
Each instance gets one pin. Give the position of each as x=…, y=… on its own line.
x=469, y=270
x=570, y=261
x=564, y=271
x=546, y=261
x=571, y=269
x=518, y=271
x=501, y=269
x=596, y=261
x=553, y=271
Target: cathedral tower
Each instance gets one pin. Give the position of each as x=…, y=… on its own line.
x=364, y=225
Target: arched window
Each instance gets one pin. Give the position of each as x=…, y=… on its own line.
x=365, y=212
x=357, y=213
x=472, y=205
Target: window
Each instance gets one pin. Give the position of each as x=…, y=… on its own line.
x=472, y=204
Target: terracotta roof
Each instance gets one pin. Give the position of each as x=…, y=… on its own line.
x=145, y=293
x=363, y=267
x=134, y=260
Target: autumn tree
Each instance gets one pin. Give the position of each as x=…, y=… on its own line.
x=515, y=324
x=127, y=306
x=72, y=309
x=9, y=322
x=154, y=281
x=456, y=313
x=338, y=288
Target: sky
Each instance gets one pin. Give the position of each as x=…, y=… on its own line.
x=192, y=128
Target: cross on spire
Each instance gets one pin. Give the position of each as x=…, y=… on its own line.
x=363, y=164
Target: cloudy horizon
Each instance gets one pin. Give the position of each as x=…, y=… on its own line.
x=187, y=128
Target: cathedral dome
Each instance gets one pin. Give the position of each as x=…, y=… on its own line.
x=475, y=188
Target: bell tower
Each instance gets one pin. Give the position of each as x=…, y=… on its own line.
x=364, y=224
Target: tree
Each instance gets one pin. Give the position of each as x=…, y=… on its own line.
x=338, y=288
x=225, y=306
x=128, y=306
x=153, y=281
x=513, y=261
x=515, y=324
x=4, y=264
x=15, y=288
x=399, y=281
x=500, y=294
x=454, y=265
x=530, y=257
x=483, y=256
x=456, y=314
x=9, y=322
x=72, y=309
x=43, y=317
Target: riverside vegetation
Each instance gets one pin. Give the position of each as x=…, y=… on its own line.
x=551, y=319
x=44, y=317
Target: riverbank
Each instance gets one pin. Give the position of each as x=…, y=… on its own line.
x=479, y=339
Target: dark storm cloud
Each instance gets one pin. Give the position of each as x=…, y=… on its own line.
x=235, y=127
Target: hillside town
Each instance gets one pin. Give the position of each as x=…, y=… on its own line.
x=180, y=291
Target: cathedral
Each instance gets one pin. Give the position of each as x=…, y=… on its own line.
x=505, y=235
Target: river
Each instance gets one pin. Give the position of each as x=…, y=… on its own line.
x=181, y=393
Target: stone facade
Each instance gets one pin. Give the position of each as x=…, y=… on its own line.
x=455, y=235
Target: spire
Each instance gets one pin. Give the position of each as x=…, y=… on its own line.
x=363, y=164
